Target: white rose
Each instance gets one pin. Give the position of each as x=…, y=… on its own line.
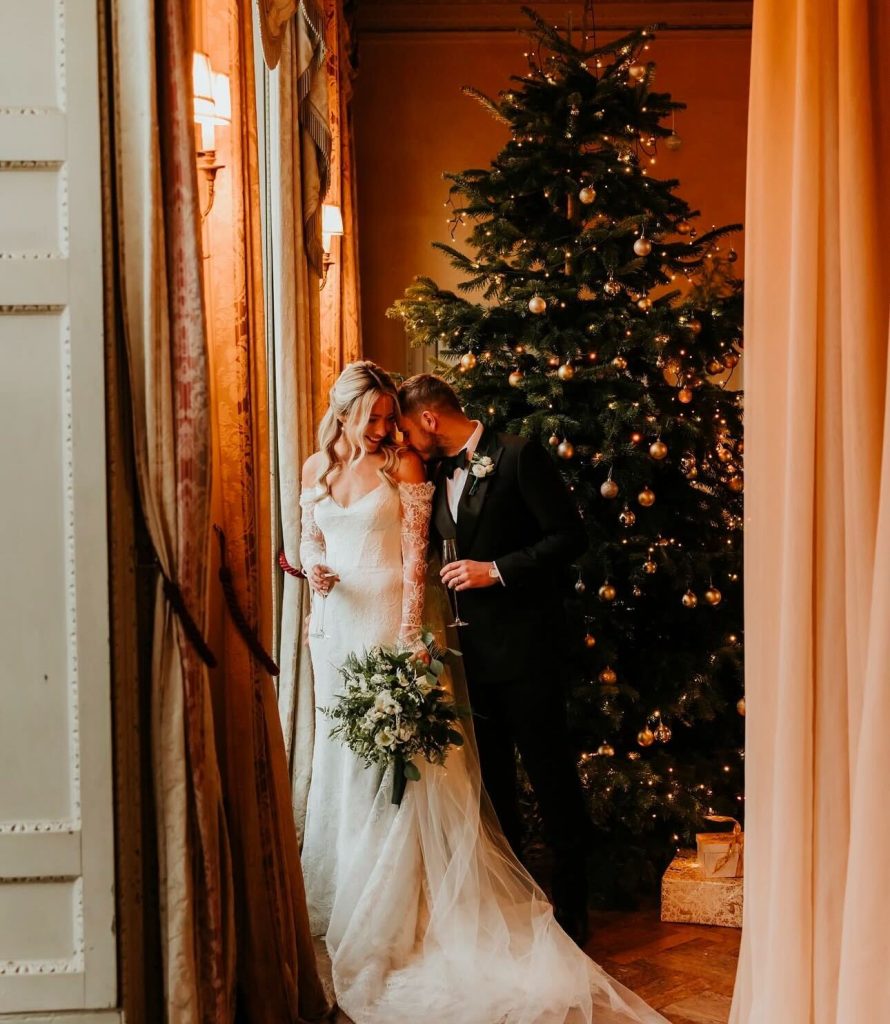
x=377, y=679
x=407, y=732
x=486, y=460
x=384, y=738
x=480, y=470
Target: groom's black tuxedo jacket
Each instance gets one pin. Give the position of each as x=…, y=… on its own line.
x=522, y=517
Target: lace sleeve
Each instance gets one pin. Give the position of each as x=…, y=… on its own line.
x=312, y=549
x=416, y=504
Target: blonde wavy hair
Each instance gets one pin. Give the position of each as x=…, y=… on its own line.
x=351, y=400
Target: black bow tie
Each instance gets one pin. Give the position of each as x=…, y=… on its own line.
x=449, y=463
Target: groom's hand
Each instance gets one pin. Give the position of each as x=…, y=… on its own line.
x=465, y=574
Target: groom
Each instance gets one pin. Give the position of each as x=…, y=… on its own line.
x=517, y=530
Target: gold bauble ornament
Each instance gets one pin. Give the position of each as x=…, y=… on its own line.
x=740, y=707
x=715, y=366
x=537, y=305
x=565, y=449
x=649, y=566
x=609, y=489
x=730, y=360
x=736, y=484
x=642, y=246
x=646, y=497
x=608, y=676
x=713, y=596
x=658, y=449
x=685, y=395
x=637, y=591
x=637, y=72
x=693, y=325
x=553, y=440
x=566, y=371
x=662, y=733
x=692, y=473
x=515, y=378
x=587, y=195
x=607, y=592
x=673, y=142
x=645, y=304
x=468, y=360
x=689, y=600
x=633, y=755
x=590, y=640
x=627, y=517
x=645, y=737
x=662, y=339
x=684, y=227
x=724, y=454
x=612, y=288
x=605, y=750
x=620, y=363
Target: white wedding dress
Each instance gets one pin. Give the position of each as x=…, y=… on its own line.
x=428, y=915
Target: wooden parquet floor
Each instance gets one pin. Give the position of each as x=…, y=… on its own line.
x=685, y=971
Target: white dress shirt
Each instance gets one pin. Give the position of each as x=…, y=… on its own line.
x=454, y=485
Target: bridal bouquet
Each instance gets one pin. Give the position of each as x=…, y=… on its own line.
x=393, y=709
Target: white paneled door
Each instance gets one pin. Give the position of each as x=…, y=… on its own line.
x=57, y=942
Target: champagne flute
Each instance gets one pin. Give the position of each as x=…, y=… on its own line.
x=449, y=554
x=318, y=631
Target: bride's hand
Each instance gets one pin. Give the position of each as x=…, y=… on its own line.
x=322, y=579
x=411, y=640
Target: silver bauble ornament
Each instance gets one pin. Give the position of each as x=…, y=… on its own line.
x=609, y=489
x=468, y=360
x=566, y=371
x=515, y=378
x=658, y=449
x=565, y=450
x=689, y=600
x=673, y=142
x=642, y=246
x=627, y=517
x=537, y=305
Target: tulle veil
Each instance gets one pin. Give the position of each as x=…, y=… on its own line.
x=438, y=921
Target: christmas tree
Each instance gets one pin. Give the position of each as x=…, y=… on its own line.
x=584, y=339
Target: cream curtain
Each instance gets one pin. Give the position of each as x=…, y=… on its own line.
x=816, y=944
x=298, y=383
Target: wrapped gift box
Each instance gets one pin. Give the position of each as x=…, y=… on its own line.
x=688, y=897
x=721, y=854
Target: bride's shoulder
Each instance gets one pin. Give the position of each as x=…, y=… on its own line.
x=312, y=469
x=410, y=468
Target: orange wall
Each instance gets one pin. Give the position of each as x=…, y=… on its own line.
x=412, y=123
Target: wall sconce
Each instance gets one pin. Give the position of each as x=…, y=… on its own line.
x=213, y=106
x=331, y=224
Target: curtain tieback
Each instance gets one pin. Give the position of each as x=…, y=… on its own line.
x=288, y=568
x=248, y=633
x=189, y=626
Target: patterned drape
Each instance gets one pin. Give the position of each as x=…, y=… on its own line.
x=340, y=310
x=159, y=287
x=276, y=973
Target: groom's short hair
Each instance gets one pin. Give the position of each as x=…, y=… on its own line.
x=427, y=391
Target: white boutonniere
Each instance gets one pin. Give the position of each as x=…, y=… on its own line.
x=481, y=466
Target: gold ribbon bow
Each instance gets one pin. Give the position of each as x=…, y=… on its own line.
x=736, y=843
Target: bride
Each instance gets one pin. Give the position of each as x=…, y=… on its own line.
x=427, y=913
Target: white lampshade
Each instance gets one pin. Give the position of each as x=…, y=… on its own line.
x=202, y=85
x=331, y=220
x=222, y=99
